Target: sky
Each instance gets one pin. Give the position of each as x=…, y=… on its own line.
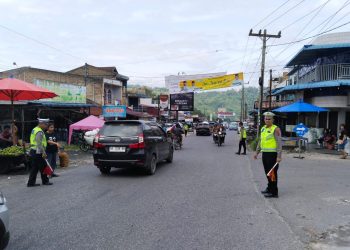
x=149, y=39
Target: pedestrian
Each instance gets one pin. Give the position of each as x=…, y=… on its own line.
x=242, y=140
x=52, y=147
x=6, y=136
x=186, y=129
x=38, y=145
x=342, y=141
x=271, y=147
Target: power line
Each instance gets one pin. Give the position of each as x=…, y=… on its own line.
x=332, y=16
x=278, y=17
x=326, y=20
x=301, y=18
x=272, y=12
x=298, y=41
x=305, y=26
x=245, y=51
x=39, y=42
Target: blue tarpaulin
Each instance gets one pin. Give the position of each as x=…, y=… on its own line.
x=300, y=107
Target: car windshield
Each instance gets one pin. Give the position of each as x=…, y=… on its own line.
x=121, y=129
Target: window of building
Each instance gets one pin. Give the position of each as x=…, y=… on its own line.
x=109, y=96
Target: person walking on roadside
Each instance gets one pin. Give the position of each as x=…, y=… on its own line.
x=52, y=147
x=38, y=145
x=186, y=129
x=271, y=147
x=242, y=141
x=342, y=141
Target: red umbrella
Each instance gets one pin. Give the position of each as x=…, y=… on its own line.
x=12, y=89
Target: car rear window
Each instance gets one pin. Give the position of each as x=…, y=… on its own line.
x=121, y=129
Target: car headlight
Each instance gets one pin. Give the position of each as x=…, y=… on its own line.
x=2, y=199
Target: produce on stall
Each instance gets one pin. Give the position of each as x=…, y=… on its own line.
x=11, y=157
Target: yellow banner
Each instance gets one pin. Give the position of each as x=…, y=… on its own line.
x=219, y=82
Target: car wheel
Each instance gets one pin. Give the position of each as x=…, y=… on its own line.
x=152, y=165
x=105, y=170
x=171, y=156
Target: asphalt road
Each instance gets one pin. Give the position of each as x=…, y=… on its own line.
x=208, y=198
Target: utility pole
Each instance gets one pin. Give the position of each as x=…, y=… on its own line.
x=242, y=104
x=264, y=37
x=158, y=108
x=270, y=90
x=85, y=73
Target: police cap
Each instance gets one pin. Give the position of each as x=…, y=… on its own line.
x=43, y=120
x=269, y=114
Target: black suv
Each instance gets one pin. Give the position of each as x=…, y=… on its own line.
x=123, y=144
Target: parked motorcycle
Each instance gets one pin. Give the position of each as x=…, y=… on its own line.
x=251, y=133
x=83, y=144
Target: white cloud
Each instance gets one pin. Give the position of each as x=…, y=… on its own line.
x=150, y=38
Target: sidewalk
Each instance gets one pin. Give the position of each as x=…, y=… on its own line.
x=19, y=174
x=314, y=197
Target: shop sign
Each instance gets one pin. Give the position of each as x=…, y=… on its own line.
x=114, y=111
x=182, y=101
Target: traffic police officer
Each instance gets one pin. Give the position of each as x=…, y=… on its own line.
x=242, y=140
x=38, y=145
x=270, y=146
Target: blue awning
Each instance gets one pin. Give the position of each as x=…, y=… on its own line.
x=300, y=107
x=309, y=53
x=63, y=105
x=313, y=85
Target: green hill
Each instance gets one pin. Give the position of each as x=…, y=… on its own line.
x=209, y=102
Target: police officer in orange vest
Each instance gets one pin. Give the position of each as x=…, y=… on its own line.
x=271, y=147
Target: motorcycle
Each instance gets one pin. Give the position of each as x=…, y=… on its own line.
x=251, y=133
x=220, y=138
x=83, y=145
x=177, y=142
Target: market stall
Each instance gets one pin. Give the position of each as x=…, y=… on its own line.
x=12, y=90
x=89, y=123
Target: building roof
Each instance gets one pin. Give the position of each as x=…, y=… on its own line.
x=313, y=85
x=104, y=70
x=309, y=53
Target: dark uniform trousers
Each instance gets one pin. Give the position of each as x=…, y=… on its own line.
x=269, y=160
x=242, y=143
x=37, y=164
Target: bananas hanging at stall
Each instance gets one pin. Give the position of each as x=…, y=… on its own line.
x=11, y=151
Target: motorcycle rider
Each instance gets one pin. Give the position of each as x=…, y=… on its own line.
x=215, y=132
x=222, y=128
x=177, y=131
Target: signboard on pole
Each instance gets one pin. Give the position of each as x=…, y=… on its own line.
x=211, y=83
x=114, y=111
x=301, y=129
x=182, y=101
x=172, y=81
x=164, y=102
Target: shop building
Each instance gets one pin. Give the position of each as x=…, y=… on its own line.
x=320, y=74
x=82, y=91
